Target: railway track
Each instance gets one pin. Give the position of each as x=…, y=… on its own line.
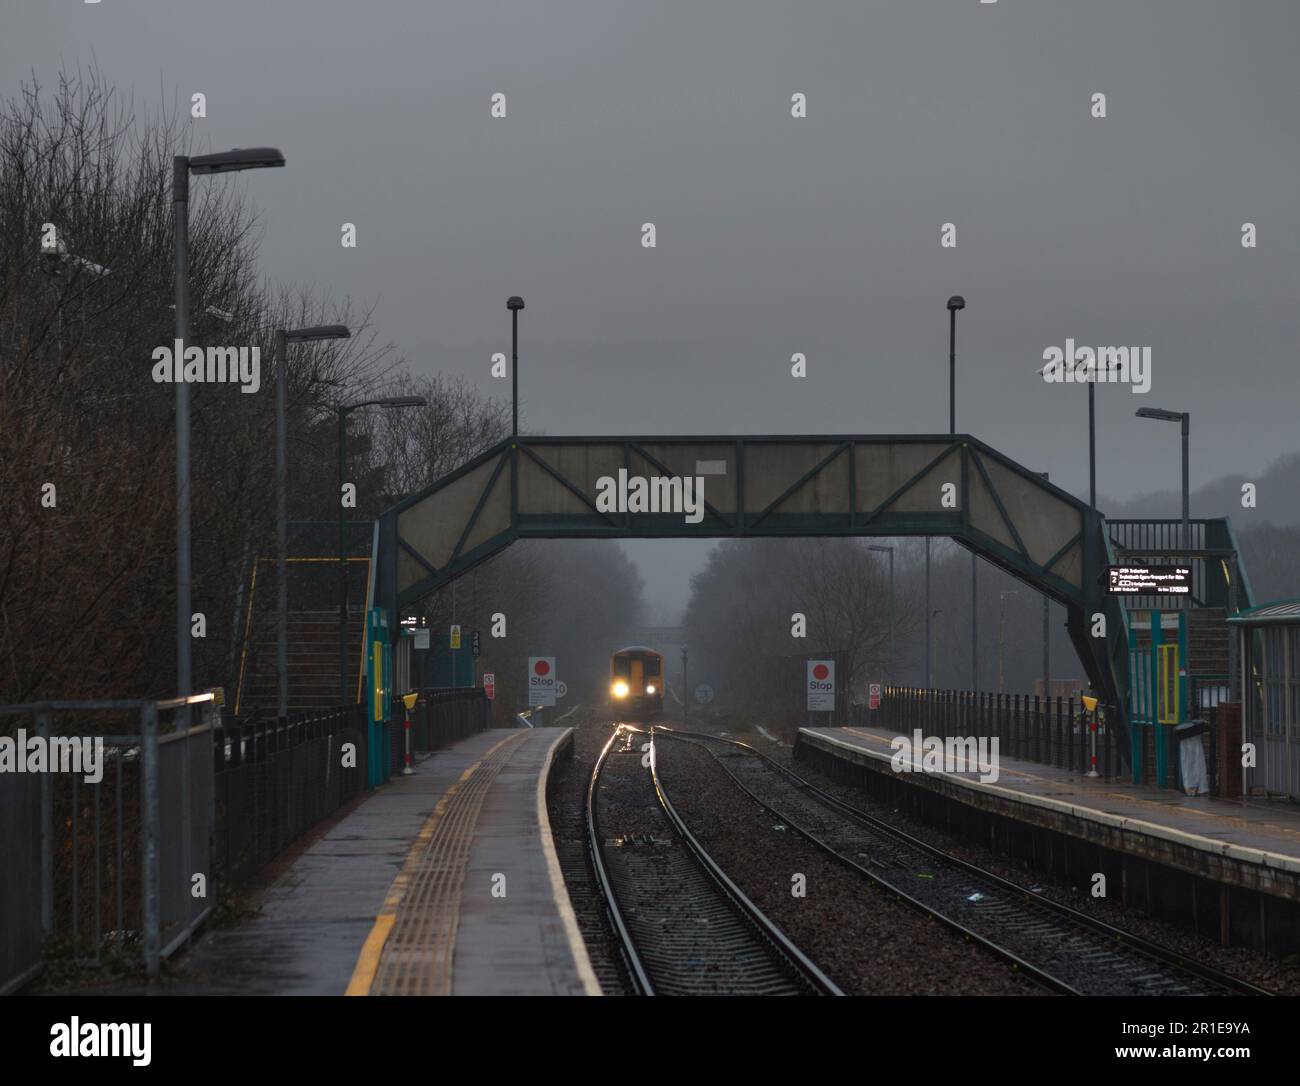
x=683, y=926
x=568, y=810
x=1064, y=949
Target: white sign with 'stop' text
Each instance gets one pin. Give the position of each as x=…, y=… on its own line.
x=821, y=686
x=541, y=680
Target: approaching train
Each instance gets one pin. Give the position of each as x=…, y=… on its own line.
x=636, y=683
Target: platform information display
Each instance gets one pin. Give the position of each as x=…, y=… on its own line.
x=1149, y=580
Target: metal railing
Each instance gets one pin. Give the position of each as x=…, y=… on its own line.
x=1050, y=731
x=92, y=866
x=275, y=780
x=442, y=716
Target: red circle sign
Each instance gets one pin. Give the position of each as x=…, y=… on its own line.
x=820, y=671
x=542, y=667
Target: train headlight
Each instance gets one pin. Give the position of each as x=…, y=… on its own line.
x=619, y=689
x=650, y=689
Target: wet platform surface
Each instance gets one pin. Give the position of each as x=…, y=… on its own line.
x=320, y=928
x=1248, y=831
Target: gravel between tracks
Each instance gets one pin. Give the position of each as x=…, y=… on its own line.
x=866, y=942
x=1279, y=976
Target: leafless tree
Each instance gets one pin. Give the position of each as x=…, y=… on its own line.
x=740, y=615
x=87, y=437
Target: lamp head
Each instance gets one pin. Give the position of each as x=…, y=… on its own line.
x=241, y=158
x=514, y=302
x=319, y=331
x=956, y=302
x=1159, y=413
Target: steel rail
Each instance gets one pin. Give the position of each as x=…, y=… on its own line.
x=1118, y=936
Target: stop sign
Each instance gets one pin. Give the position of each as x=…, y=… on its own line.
x=541, y=680
x=821, y=686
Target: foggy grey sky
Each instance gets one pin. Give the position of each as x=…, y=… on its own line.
x=775, y=235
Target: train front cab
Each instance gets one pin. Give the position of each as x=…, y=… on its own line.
x=636, y=683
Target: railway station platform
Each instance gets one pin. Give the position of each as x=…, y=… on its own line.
x=444, y=882
x=1230, y=869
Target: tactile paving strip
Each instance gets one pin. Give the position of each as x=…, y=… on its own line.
x=417, y=956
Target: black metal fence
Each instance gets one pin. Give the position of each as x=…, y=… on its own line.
x=128, y=860
x=1051, y=731
x=275, y=780
x=442, y=716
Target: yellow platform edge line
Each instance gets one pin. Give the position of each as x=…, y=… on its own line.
x=363, y=974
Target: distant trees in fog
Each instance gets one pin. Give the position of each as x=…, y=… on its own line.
x=739, y=614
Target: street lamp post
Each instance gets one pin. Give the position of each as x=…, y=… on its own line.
x=282, y=337
x=1047, y=637
x=343, y=410
x=514, y=303
x=890, y=552
x=1092, y=432
x=955, y=303
x=253, y=158
x=1111, y=367
x=1185, y=419
x=686, y=693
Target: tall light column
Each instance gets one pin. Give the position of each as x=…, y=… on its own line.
x=514, y=304
x=955, y=303
x=1184, y=418
x=182, y=166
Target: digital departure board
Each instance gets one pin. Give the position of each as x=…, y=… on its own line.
x=1149, y=580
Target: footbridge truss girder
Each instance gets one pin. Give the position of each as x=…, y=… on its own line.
x=913, y=485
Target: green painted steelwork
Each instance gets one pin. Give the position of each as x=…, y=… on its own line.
x=903, y=485
x=1150, y=696
x=378, y=667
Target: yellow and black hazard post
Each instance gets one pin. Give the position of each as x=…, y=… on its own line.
x=1090, y=704
x=409, y=701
